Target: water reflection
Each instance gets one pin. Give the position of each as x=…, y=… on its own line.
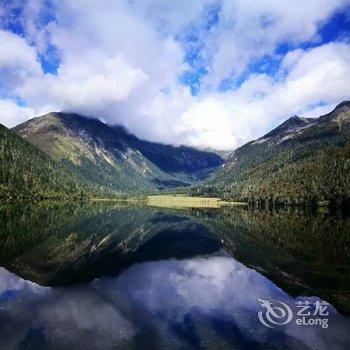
x=143, y=278
x=205, y=302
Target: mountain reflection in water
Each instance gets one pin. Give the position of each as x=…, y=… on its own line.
x=109, y=276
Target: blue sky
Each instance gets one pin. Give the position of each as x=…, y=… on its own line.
x=337, y=27
x=207, y=73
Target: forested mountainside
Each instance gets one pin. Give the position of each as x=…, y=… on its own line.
x=303, y=160
x=110, y=156
x=27, y=172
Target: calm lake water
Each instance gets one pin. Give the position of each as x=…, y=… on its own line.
x=102, y=276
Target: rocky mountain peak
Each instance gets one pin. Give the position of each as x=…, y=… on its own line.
x=113, y=157
x=290, y=125
x=342, y=105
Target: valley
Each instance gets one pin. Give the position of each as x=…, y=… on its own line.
x=303, y=161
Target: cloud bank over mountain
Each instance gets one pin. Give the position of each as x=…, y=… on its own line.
x=202, y=73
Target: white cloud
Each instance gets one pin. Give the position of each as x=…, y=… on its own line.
x=85, y=86
x=11, y=114
x=10, y=282
x=121, y=61
x=113, y=65
x=18, y=60
x=228, y=120
x=156, y=296
x=248, y=30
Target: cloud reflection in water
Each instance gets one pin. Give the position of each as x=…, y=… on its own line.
x=204, y=302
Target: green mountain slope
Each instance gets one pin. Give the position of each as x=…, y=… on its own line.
x=301, y=161
x=25, y=172
x=110, y=156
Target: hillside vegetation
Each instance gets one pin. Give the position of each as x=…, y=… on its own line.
x=302, y=161
x=27, y=172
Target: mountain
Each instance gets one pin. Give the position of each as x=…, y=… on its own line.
x=110, y=156
x=303, y=160
x=220, y=152
x=25, y=171
x=75, y=242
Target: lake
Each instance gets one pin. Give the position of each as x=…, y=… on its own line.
x=113, y=276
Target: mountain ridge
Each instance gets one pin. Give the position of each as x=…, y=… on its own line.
x=300, y=161
x=290, y=124
x=112, y=157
